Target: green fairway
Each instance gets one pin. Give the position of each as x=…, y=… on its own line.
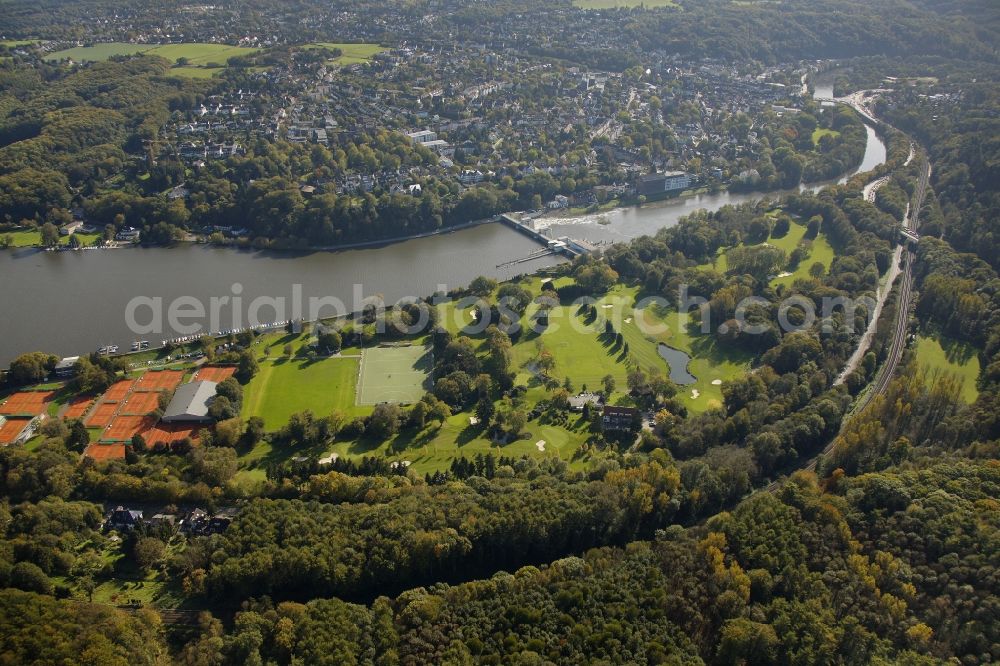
x=939, y=353
x=352, y=53
x=284, y=387
x=820, y=251
x=433, y=448
x=625, y=4
x=645, y=328
x=394, y=374
x=578, y=347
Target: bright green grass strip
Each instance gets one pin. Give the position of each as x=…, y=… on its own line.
x=284, y=387
x=939, y=353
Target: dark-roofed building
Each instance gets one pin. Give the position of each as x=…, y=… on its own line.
x=620, y=418
x=123, y=519
x=190, y=403
x=663, y=183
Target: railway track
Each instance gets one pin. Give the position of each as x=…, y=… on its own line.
x=902, y=320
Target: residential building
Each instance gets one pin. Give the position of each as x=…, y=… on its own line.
x=664, y=183
x=615, y=417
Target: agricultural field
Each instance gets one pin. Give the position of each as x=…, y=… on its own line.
x=939, y=353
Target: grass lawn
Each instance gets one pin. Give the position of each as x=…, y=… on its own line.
x=614, y=4
x=15, y=43
x=820, y=132
x=33, y=238
x=939, y=353
x=286, y=386
x=352, y=53
x=198, y=54
x=98, y=52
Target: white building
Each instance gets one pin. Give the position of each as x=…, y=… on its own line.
x=423, y=136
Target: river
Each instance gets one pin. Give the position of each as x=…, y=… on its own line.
x=622, y=224
x=70, y=303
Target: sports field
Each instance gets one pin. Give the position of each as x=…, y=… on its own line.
x=214, y=374
x=394, y=374
x=284, y=387
x=33, y=238
x=11, y=429
x=711, y=363
x=27, y=402
x=167, y=434
x=106, y=451
x=124, y=427
x=102, y=415
x=78, y=407
x=118, y=390
x=140, y=404
x=160, y=380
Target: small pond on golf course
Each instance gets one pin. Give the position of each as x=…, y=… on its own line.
x=678, y=362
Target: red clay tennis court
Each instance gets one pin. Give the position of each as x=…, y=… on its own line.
x=169, y=433
x=27, y=402
x=215, y=374
x=118, y=390
x=140, y=404
x=124, y=427
x=11, y=429
x=106, y=451
x=78, y=407
x=160, y=380
x=102, y=415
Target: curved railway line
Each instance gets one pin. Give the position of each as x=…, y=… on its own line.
x=903, y=304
